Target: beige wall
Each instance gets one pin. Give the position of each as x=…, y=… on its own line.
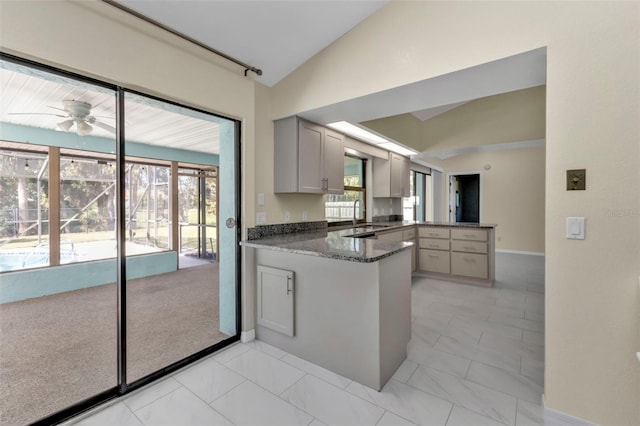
x=512, y=193
x=509, y=117
x=592, y=109
x=403, y=128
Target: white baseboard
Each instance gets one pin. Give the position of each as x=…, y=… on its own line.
x=558, y=418
x=530, y=253
x=247, y=336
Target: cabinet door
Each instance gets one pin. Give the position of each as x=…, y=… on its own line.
x=333, y=162
x=275, y=299
x=397, y=169
x=310, y=153
x=406, y=181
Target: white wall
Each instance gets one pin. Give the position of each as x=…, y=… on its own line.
x=592, y=110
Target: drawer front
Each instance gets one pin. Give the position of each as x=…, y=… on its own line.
x=469, y=234
x=470, y=265
x=433, y=244
x=390, y=237
x=409, y=234
x=435, y=261
x=427, y=232
x=469, y=246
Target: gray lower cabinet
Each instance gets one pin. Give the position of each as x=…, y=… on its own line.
x=276, y=299
x=460, y=254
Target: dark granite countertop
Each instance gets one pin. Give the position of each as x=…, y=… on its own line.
x=345, y=243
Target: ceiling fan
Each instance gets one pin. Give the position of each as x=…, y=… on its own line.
x=78, y=113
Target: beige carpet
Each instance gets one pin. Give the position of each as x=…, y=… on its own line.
x=60, y=349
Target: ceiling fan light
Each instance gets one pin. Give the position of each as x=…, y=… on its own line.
x=65, y=125
x=84, y=129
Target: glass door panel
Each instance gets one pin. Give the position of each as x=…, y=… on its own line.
x=174, y=279
x=58, y=297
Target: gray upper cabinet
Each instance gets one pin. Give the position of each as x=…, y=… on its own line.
x=391, y=177
x=308, y=158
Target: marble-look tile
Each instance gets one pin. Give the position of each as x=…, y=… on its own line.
x=180, y=407
x=249, y=404
x=266, y=348
x=461, y=416
x=529, y=414
x=428, y=329
x=319, y=372
x=533, y=369
x=504, y=381
x=525, y=324
x=404, y=372
x=424, y=333
x=490, y=356
x=390, y=419
x=231, y=352
x=406, y=401
x=515, y=347
x=264, y=370
x=116, y=414
x=475, y=397
x=505, y=311
x=419, y=352
x=487, y=327
x=533, y=337
x=209, y=379
x=330, y=404
x=150, y=393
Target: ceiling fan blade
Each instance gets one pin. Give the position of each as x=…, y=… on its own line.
x=59, y=109
x=105, y=127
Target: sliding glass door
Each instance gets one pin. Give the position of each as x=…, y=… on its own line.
x=177, y=257
x=101, y=192
x=58, y=297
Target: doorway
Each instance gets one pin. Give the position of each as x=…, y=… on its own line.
x=464, y=198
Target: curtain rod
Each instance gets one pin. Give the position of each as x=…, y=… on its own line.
x=138, y=15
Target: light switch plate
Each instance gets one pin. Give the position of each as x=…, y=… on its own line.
x=261, y=218
x=261, y=199
x=575, y=228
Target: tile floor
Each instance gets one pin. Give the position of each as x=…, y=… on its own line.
x=476, y=358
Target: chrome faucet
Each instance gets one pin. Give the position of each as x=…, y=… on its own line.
x=355, y=212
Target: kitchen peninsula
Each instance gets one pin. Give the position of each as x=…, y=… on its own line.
x=342, y=298
x=342, y=302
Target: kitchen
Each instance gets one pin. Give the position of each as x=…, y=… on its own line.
x=587, y=389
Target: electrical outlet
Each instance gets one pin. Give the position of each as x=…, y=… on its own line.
x=261, y=218
x=287, y=216
x=304, y=215
x=261, y=199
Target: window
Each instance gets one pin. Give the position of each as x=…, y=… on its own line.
x=341, y=207
x=415, y=206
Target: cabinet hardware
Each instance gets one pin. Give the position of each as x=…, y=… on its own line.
x=289, y=290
